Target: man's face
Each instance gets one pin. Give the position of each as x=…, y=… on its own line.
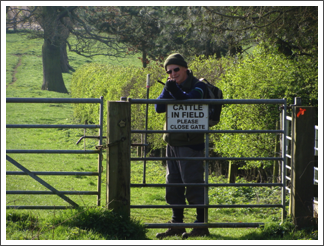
x=179, y=75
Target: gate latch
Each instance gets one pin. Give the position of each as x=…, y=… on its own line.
x=105, y=146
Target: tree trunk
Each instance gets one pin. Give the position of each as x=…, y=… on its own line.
x=55, y=34
x=64, y=59
x=52, y=71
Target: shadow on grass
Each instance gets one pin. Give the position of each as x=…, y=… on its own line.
x=111, y=225
x=271, y=231
x=76, y=224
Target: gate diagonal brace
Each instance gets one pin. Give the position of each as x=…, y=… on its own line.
x=39, y=180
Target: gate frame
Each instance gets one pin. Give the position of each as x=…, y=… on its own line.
x=118, y=188
x=35, y=174
x=303, y=163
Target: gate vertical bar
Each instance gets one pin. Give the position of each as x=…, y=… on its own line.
x=284, y=162
x=292, y=160
x=146, y=123
x=276, y=164
x=100, y=151
x=118, y=156
x=288, y=157
x=206, y=200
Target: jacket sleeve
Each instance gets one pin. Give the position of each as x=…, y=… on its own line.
x=198, y=92
x=161, y=108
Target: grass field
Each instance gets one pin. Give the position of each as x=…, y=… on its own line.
x=24, y=79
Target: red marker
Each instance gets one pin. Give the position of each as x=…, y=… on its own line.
x=301, y=112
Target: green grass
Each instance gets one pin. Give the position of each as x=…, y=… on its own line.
x=76, y=224
x=23, y=58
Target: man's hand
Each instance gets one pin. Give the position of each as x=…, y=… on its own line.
x=171, y=86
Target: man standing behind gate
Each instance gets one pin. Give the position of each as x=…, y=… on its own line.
x=180, y=85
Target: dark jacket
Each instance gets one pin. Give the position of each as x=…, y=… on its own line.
x=191, y=88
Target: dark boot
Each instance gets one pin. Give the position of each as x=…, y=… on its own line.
x=173, y=231
x=196, y=232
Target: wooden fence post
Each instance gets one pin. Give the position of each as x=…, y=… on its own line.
x=118, y=156
x=303, y=165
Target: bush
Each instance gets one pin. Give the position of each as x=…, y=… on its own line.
x=264, y=74
x=113, y=82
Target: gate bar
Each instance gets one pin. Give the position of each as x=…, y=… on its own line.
x=39, y=180
x=146, y=124
x=54, y=173
x=39, y=207
x=214, y=185
x=51, y=100
x=206, y=198
x=284, y=162
x=100, y=157
x=208, y=131
x=203, y=225
x=210, y=206
x=207, y=101
x=209, y=158
x=41, y=151
x=51, y=126
x=41, y=192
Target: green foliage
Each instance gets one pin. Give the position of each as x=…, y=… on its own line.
x=262, y=75
x=112, y=82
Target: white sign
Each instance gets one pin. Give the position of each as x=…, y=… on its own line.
x=187, y=117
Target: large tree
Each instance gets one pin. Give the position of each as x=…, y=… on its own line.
x=57, y=24
x=53, y=21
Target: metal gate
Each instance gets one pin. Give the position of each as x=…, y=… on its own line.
x=301, y=160
x=206, y=204
x=35, y=174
